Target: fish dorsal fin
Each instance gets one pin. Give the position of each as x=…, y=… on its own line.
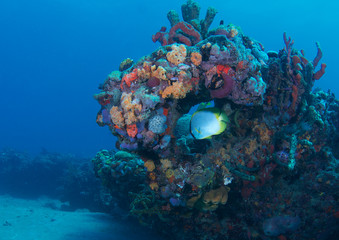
x=204, y=105
x=215, y=111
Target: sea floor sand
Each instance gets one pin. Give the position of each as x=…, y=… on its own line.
x=40, y=219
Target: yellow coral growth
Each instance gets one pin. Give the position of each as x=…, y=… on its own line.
x=207, y=45
x=233, y=31
x=152, y=176
x=126, y=101
x=143, y=74
x=130, y=106
x=223, y=153
x=166, y=164
x=177, y=55
x=149, y=164
x=117, y=117
x=177, y=90
x=184, y=77
x=253, y=145
x=196, y=58
x=159, y=72
x=130, y=118
x=263, y=131
x=169, y=173
x=145, y=71
x=213, y=198
x=154, y=186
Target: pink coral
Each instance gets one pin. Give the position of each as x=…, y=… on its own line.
x=193, y=35
x=182, y=32
x=320, y=72
x=161, y=36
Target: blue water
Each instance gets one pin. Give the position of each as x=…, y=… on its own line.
x=54, y=54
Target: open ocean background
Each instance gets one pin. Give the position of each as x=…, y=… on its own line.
x=55, y=53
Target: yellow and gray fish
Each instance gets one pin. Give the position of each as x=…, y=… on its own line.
x=208, y=122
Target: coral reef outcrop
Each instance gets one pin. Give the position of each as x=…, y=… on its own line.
x=277, y=155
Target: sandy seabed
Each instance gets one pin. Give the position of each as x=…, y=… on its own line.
x=22, y=219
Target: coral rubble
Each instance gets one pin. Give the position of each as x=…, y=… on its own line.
x=278, y=156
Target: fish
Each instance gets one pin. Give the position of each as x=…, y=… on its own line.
x=208, y=122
